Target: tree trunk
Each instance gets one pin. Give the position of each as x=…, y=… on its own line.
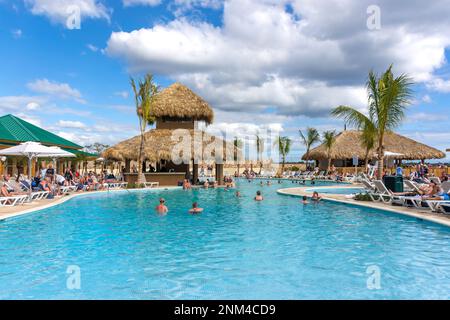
x=329, y=165
x=141, y=175
x=380, y=159
x=238, y=168
x=380, y=168
x=366, y=161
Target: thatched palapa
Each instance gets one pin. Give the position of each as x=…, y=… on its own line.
x=179, y=102
x=160, y=143
x=348, y=144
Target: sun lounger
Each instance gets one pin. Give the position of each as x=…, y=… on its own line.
x=115, y=185
x=436, y=205
x=445, y=208
x=383, y=194
x=445, y=186
x=416, y=202
x=13, y=201
x=411, y=186
x=368, y=185
x=435, y=180
x=150, y=185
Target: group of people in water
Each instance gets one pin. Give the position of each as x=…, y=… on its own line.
x=162, y=208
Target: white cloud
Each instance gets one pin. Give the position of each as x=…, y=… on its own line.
x=130, y=3
x=13, y=103
x=180, y=7
x=32, y=106
x=71, y=124
x=92, y=47
x=299, y=61
x=439, y=85
x=427, y=99
x=60, y=11
x=61, y=90
x=123, y=94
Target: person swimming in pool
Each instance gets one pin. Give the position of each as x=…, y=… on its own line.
x=259, y=196
x=195, y=209
x=316, y=197
x=305, y=200
x=268, y=182
x=237, y=194
x=162, y=208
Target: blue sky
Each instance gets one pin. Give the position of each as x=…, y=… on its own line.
x=261, y=64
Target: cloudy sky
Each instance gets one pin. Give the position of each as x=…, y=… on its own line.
x=260, y=63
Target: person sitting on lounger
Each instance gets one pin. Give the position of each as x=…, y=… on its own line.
x=162, y=208
x=195, y=209
x=5, y=193
x=430, y=190
x=259, y=196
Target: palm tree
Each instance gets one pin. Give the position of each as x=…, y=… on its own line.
x=329, y=137
x=143, y=97
x=259, y=151
x=312, y=137
x=368, y=140
x=237, y=144
x=388, y=98
x=284, y=147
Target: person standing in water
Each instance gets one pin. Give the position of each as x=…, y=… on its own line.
x=195, y=209
x=305, y=200
x=162, y=208
x=258, y=196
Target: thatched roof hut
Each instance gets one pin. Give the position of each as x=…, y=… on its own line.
x=179, y=102
x=348, y=144
x=160, y=143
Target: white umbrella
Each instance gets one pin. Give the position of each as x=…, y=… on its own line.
x=30, y=150
x=59, y=153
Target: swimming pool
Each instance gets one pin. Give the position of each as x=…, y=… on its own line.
x=237, y=249
x=338, y=190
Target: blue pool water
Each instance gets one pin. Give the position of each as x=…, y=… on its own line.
x=338, y=190
x=236, y=249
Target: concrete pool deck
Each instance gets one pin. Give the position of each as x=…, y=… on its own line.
x=341, y=198
x=10, y=212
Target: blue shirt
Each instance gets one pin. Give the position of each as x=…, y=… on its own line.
x=399, y=171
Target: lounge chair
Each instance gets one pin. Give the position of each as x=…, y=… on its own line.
x=445, y=208
x=416, y=202
x=150, y=185
x=13, y=201
x=35, y=195
x=435, y=180
x=370, y=187
x=411, y=186
x=445, y=186
x=383, y=194
x=437, y=205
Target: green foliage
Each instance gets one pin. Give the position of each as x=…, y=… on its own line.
x=362, y=197
x=388, y=98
